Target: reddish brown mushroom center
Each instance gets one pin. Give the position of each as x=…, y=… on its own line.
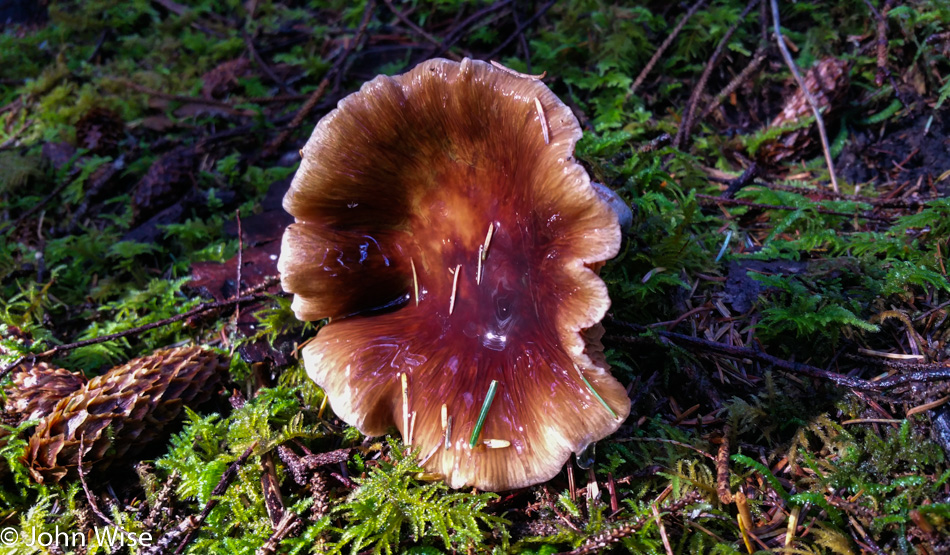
x=473, y=295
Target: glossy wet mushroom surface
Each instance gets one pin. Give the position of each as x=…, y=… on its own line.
x=445, y=229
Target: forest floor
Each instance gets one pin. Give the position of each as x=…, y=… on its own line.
x=782, y=328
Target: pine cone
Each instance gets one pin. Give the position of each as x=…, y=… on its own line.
x=827, y=82
x=118, y=413
x=166, y=180
x=36, y=388
x=100, y=130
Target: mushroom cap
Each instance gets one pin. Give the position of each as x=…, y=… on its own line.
x=444, y=228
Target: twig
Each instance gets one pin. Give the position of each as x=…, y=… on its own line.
x=171, y=536
x=176, y=97
x=664, y=440
x=418, y=30
x=16, y=135
x=930, y=374
x=204, y=307
x=216, y=494
x=736, y=185
x=304, y=110
x=522, y=41
x=289, y=523
x=808, y=96
x=92, y=498
x=662, y=528
x=240, y=263
x=527, y=23
x=600, y=542
x=161, y=501
x=682, y=134
x=659, y=51
x=249, y=42
x=35, y=208
x=757, y=60
x=761, y=206
x=466, y=25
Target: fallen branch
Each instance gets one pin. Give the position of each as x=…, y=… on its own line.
x=34, y=209
x=757, y=60
x=682, y=134
x=808, y=96
x=315, y=97
x=740, y=202
x=521, y=28
x=932, y=373
x=666, y=44
x=255, y=293
x=418, y=30
x=600, y=542
x=216, y=494
x=249, y=42
x=469, y=23
x=92, y=498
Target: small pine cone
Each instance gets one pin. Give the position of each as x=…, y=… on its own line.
x=166, y=180
x=36, y=388
x=827, y=82
x=100, y=130
x=121, y=411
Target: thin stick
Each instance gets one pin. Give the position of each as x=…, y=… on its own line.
x=448, y=433
x=931, y=373
x=722, y=468
x=289, y=524
x=527, y=23
x=216, y=494
x=808, y=96
x=544, y=121
x=177, y=97
x=491, y=231
x=412, y=427
x=594, y=392
x=762, y=206
x=659, y=524
x=670, y=441
x=507, y=69
x=337, y=68
x=405, y=405
x=478, y=268
x=419, y=30
x=757, y=60
x=659, y=51
x=36, y=207
x=469, y=23
x=205, y=307
x=431, y=453
x=496, y=443
x=415, y=282
x=682, y=134
x=249, y=42
x=600, y=542
x=525, y=50
x=92, y=498
x=489, y=397
x=455, y=285
x=926, y=406
x=240, y=263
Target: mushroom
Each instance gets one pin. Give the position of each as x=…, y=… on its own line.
x=445, y=230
